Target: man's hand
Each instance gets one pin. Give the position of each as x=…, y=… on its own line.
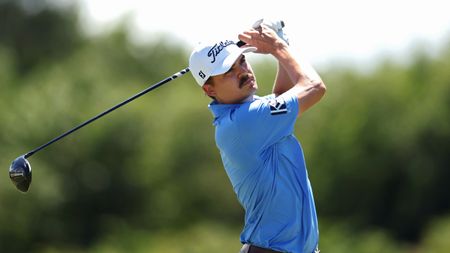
x=276, y=25
x=291, y=78
x=264, y=39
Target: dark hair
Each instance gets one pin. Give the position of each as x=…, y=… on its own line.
x=210, y=81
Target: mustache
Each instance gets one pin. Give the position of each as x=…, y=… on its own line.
x=244, y=79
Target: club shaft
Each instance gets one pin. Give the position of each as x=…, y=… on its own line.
x=154, y=86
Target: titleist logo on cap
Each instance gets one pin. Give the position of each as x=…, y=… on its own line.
x=217, y=48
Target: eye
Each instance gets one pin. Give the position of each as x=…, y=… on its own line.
x=229, y=71
x=242, y=60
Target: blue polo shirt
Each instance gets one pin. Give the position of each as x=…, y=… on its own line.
x=265, y=164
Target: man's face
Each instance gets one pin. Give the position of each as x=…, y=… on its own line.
x=235, y=85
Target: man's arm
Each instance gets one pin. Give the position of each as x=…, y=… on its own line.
x=282, y=81
x=290, y=77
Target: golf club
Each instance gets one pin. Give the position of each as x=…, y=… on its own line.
x=20, y=169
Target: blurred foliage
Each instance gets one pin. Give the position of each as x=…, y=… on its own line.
x=148, y=177
x=35, y=34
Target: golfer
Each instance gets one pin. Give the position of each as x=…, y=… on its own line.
x=262, y=158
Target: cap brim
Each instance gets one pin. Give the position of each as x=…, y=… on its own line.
x=229, y=61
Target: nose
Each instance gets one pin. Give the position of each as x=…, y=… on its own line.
x=244, y=69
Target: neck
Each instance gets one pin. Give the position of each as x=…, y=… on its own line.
x=247, y=99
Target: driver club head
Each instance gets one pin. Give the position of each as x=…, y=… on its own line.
x=20, y=173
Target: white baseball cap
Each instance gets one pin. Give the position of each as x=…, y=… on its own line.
x=212, y=59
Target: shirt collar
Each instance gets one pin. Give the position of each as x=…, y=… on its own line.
x=218, y=110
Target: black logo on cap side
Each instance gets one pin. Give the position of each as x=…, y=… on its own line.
x=201, y=74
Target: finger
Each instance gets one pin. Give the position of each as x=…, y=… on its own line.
x=251, y=32
x=245, y=37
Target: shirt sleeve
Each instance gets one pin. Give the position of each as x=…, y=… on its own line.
x=265, y=121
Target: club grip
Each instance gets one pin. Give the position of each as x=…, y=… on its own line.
x=240, y=43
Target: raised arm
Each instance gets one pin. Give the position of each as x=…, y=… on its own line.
x=283, y=82
x=290, y=76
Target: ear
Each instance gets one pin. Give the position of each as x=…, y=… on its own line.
x=209, y=90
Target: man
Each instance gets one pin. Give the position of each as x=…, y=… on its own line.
x=263, y=159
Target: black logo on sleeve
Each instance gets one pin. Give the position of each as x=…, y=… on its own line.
x=277, y=106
